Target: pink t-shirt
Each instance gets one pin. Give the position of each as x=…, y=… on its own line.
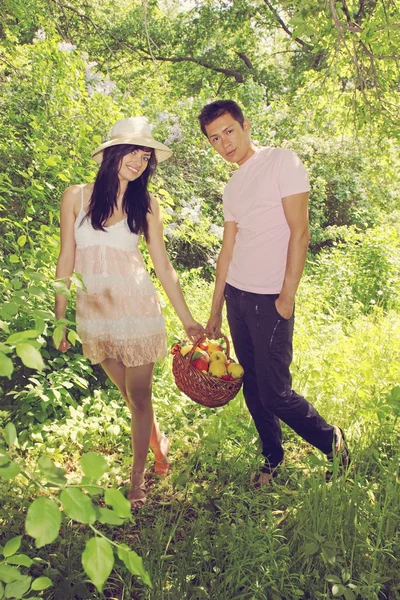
x=253, y=199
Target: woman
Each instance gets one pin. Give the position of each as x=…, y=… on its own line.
x=119, y=317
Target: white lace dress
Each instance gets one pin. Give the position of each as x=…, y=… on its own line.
x=119, y=316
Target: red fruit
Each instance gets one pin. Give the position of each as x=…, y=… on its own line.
x=200, y=364
x=175, y=348
x=226, y=377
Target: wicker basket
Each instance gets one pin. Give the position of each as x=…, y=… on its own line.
x=201, y=387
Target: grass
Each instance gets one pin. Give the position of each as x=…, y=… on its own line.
x=205, y=532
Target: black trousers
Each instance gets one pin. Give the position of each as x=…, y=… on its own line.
x=263, y=344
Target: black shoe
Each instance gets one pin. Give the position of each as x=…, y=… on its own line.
x=341, y=453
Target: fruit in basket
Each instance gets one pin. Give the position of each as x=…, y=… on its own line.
x=217, y=368
x=186, y=349
x=204, y=345
x=201, y=364
x=213, y=347
x=218, y=356
x=200, y=354
x=235, y=370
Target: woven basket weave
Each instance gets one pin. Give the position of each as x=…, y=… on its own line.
x=201, y=387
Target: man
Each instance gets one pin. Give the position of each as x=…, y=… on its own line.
x=259, y=267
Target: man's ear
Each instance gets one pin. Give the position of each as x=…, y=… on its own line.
x=246, y=125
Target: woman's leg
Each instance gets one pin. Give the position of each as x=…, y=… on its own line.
x=116, y=371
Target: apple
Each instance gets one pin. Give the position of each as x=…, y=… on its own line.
x=235, y=370
x=201, y=364
x=200, y=354
x=217, y=368
x=186, y=349
x=214, y=348
x=218, y=356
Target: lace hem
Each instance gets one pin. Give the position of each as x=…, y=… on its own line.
x=146, y=351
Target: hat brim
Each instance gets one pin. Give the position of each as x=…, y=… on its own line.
x=162, y=152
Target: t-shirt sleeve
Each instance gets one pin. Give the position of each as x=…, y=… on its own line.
x=292, y=175
x=228, y=216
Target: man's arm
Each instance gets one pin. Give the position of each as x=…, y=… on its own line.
x=213, y=328
x=296, y=212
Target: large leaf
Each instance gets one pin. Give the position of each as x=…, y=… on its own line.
x=6, y=366
x=134, y=563
x=9, y=470
x=117, y=500
x=30, y=356
x=21, y=336
x=17, y=589
x=108, y=517
x=43, y=521
x=41, y=583
x=12, y=546
x=51, y=472
x=10, y=434
x=78, y=506
x=20, y=559
x=9, y=574
x=93, y=465
x=98, y=561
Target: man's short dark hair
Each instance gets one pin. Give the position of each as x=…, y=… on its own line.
x=218, y=108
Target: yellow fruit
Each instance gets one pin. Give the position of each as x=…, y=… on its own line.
x=186, y=349
x=235, y=370
x=218, y=356
x=217, y=368
x=213, y=347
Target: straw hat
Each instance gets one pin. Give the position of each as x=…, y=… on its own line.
x=134, y=130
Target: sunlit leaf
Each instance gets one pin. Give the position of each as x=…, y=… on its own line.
x=10, y=433
x=12, y=546
x=30, y=356
x=98, y=561
x=43, y=521
x=94, y=465
x=78, y=506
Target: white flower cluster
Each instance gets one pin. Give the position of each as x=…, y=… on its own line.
x=191, y=210
x=65, y=47
x=95, y=84
x=175, y=134
x=217, y=231
x=40, y=36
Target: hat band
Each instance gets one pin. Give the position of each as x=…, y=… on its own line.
x=129, y=137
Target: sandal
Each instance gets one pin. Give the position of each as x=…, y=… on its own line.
x=162, y=467
x=135, y=496
x=340, y=452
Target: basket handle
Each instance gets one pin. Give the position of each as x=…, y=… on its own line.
x=200, y=340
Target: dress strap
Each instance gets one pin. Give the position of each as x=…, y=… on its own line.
x=82, y=186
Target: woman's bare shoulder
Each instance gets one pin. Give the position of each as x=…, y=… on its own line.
x=72, y=196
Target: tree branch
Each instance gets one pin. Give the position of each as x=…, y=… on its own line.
x=286, y=28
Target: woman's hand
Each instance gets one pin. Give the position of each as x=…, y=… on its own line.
x=194, y=330
x=64, y=344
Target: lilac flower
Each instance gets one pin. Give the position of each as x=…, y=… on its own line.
x=217, y=231
x=40, y=36
x=175, y=134
x=65, y=47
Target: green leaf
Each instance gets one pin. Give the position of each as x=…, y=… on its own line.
x=1, y=591
x=50, y=471
x=57, y=335
x=134, y=563
x=93, y=465
x=311, y=548
x=349, y=595
x=98, y=561
x=6, y=366
x=21, y=336
x=4, y=326
x=21, y=241
x=10, y=433
x=4, y=457
x=12, y=546
x=108, y=517
x=333, y=579
x=117, y=500
x=78, y=506
x=9, y=574
x=20, y=559
x=30, y=356
x=41, y=583
x=17, y=589
x=10, y=470
x=338, y=590
x=43, y=521
x=73, y=337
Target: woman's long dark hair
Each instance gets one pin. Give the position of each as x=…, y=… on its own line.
x=136, y=200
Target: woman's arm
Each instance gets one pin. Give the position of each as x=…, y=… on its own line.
x=166, y=272
x=66, y=257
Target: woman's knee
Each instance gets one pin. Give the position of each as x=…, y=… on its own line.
x=139, y=398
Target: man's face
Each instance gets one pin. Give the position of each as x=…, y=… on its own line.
x=230, y=139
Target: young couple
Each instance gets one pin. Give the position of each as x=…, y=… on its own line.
x=264, y=248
